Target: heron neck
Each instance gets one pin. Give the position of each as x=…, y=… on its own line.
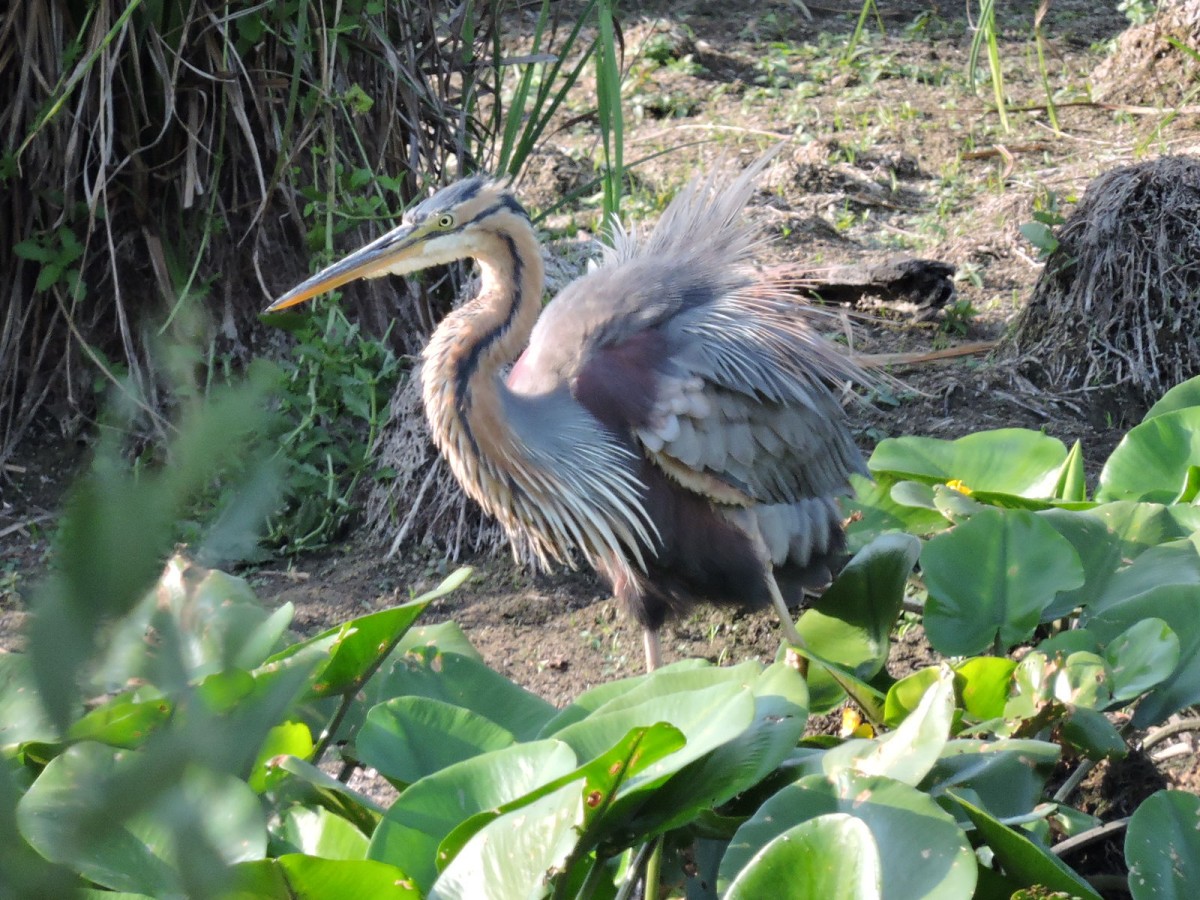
x=464, y=356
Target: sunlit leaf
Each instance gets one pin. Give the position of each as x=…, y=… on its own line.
x=1072, y=479
x=284, y=739
x=122, y=721
x=461, y=681
x=1151, y=462
x=833, y=856
x=1009, y=460
x=356, y=647
x=446, y=636
x=1182, y=396
x=906, y=825
x=431, y=808
x=984, y=682
x=908, y=753
x=607, y=802
x=316, y=831
x=297, y=876
x=512, y=854
x=737, y=765
x=21, y=715
x=708, y=718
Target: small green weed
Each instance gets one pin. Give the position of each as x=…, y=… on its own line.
x=333, y=397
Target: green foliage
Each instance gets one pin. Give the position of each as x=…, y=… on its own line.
x=335, y=388
x=195, y=773
x=1163, y=846
x=987, y=36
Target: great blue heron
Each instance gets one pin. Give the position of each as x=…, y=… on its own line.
x=669, y=414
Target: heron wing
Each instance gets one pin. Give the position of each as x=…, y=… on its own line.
x=713, y=368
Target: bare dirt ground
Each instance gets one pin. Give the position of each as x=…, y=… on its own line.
x=890, y=151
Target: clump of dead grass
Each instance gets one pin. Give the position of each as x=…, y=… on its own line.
x=1118, y=302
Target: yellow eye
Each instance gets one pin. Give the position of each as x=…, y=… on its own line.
x=445, y=220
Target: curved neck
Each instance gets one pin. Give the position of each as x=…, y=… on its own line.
x=466, y=352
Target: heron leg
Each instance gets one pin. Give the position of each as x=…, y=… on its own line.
x=786, y=625
x=653, y=648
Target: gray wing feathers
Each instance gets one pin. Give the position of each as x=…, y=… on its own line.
x=795, y=533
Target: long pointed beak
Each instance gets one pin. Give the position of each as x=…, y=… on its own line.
x=381, y=256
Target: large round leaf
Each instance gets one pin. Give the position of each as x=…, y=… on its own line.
x=409, y=835
x=1179, y=607
x=1181, y=396
x=1162, y=847
x=831, y=856
x=1176, y=562
x=906, y=824
x=296, y=876
x=852, y=622
x=411, y=737
x=1152, y=460
x=874, y=511
x=1143, y=656
x=355, y=647
x=613, y=691
x=1141, y=526
x=1008, y=461
x=462, y=681
x=1099, y=552
x=513, y=854
x=991, y=577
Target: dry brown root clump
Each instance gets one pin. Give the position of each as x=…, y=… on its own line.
x=1118, y=302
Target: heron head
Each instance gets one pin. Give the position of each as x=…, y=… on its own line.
x=450, y=225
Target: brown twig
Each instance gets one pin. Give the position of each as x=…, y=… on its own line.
x=912, y=359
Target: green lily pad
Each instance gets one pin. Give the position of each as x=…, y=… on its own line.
x=1182, y=396
x=1152, y=461
x=906, y=825
x=1162, y=847
x=428, y=810
x=830, y=856
x=1009, y=460
x=411, y=737
x=517, y=851
x=991, y=578
x=315, y=831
